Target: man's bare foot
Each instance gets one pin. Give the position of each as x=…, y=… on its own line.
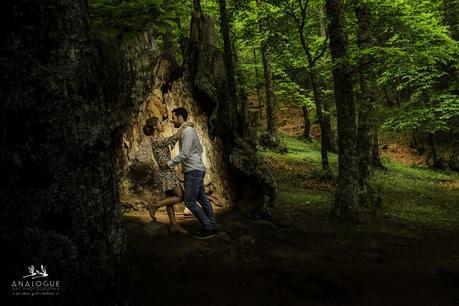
x=152, y=210
x=175, y=228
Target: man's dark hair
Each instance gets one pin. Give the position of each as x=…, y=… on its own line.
x=181, y=111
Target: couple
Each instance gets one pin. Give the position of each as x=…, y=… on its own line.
x=190, y=157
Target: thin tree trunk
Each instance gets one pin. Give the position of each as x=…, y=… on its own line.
x=197, y=5
x=345, y=202
x=257, y=80
x=325, y=133
x=366, y=123
x=451, y=9
x=270, y=98
x=375, y=155
x=307, y=123
x=271, y=111
x=241, y=94
x=389, y=101
x=436, y=162
x=331, y=146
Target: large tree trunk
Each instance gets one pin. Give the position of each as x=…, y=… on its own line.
x=271, y=105
x=366, y=119
x=57, y=184
x=255, y=187
x=347, y=189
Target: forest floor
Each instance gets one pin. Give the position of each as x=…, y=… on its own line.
x=406, y=253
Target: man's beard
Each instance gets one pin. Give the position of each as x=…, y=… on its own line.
x=176, y=125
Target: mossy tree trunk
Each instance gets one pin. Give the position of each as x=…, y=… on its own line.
x=367, y=97
x=347, y=190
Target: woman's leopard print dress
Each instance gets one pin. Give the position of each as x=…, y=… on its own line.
x=162, y=152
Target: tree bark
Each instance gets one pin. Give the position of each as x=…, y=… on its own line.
x=346, y=194
x=271, y=111
x=257, y=80
x=375, y=155
x=168, y=42
x=197, y=5
x=251, y=182
x=57, y=183
x=307, y=123
x=228, y=56
x=367, y=97
x=436, y=161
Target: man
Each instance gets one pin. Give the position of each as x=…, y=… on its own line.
x=190, y=157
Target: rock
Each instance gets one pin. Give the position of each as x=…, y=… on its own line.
x=224, y=236
x=156, y=229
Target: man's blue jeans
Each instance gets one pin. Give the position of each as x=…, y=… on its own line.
x=194, y=191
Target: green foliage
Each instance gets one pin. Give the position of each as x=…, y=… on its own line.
x=438, y=114
x=413, y=54
x=118, y=17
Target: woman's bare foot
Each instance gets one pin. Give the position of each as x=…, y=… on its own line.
x=152, y=210
x=175, y=228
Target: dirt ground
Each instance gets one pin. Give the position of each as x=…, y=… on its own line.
x=297, y=260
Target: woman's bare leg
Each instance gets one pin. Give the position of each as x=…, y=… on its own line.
x=178, y=193
x=166, y=202
x=153, y=207
x=171, y=214
x=177, y=198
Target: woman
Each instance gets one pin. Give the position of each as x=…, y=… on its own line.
x=169, y=182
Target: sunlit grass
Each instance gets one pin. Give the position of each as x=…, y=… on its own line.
x=416, y=195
